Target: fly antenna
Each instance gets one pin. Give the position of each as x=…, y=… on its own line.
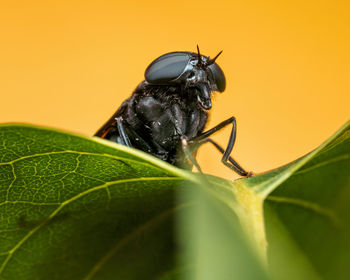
x=211, y=61
x=200, y=63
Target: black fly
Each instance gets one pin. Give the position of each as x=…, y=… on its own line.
x=167, y=112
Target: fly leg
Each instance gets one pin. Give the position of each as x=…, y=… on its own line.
x=232, y=163
x=188, y=153
x=129, y=137
x=226, y=159
x=123, y=135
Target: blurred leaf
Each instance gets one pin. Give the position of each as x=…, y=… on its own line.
x=73, y=207
x=217, y=247
x=306, y=220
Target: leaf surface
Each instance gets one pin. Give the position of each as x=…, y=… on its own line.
x=76, y=208
x=295, y=218
x=73, y=207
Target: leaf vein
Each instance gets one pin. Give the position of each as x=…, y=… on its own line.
x=331, y=161
x=311, y=206
x=30, y=202
x=81, y=153
x=68, y=201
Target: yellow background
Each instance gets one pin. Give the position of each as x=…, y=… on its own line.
x=70, y=64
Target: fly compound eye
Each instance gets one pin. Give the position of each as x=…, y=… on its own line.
x=167, y=68
x=218, y=77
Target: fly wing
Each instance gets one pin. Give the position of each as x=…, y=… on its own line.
x=112, y=122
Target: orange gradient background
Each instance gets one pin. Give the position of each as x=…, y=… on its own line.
x=70, y=64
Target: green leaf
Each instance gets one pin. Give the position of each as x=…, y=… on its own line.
x=217, y=246
x=296, y=219
x=73, y=207
x=312, y=207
